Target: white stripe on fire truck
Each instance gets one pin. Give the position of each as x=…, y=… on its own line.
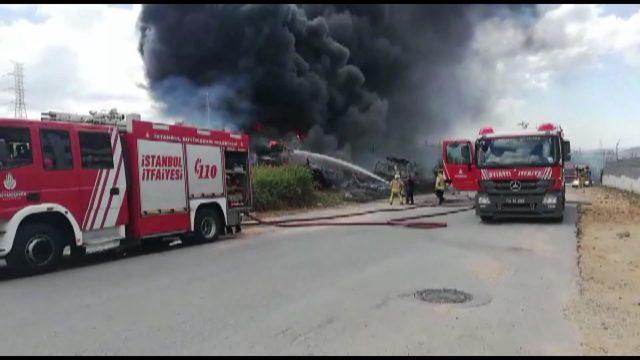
x=110, y=196
x=97, y=198
x=97, y=190
x=115, y=203
x=94, y=190
x=91, y=208
x=103, y=185
x=122, y=185
x=106, y=190
x=120, y=181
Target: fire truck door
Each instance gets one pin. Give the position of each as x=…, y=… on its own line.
x=20, y=174
x=58, y=175
x=102, y=177
x=459, y=166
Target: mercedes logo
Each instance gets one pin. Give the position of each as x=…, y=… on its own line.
x=515, y=185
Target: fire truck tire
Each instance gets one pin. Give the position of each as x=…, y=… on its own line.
x=37, y=248
x=208, y=226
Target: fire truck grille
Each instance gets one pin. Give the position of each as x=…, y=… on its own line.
x=526, y=186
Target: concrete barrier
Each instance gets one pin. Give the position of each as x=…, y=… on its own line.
x=623, y=175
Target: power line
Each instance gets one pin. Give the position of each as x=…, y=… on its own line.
x=19, y=107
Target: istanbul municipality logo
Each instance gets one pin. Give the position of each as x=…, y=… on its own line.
x=9, y=182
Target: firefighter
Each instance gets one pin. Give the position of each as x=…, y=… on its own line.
x=601, y=175
x=441, y=185
x=409, y=188
x=580, y=178
x=396, y=190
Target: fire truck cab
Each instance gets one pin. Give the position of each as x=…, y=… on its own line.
x=106, y=181
x=514, y=174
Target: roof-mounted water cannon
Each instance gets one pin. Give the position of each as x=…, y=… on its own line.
x=486, y=130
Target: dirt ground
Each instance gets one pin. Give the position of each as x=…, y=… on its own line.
x=607, y=312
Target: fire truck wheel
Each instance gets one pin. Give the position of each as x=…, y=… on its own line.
x=37, y=248
x=208, y=226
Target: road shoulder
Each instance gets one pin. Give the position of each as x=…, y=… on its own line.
x=607, y=309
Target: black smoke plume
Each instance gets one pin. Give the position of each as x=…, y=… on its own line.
x=357, y=81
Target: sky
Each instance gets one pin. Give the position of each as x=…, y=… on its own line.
x=583, y=71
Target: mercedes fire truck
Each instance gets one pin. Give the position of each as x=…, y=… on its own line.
x=111, y=180
x=514, y=174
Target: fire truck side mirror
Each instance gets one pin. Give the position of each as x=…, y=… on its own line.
x=483, y=145
x=466, y=154
x=4, y=154
x=566, y=151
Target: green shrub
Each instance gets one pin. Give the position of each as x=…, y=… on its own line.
x=282, y=187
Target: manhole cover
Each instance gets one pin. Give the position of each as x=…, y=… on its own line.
x=443, y=296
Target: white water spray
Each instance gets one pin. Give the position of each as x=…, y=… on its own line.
x=340, y=162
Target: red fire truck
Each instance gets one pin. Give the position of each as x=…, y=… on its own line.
x=111, y=180
x=518, y=174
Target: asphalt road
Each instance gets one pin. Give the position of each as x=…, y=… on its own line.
x=326, y=290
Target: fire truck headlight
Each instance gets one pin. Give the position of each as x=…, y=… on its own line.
x=550, y=199
x=483, y=200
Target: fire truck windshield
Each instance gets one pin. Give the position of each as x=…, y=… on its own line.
x=518, y=151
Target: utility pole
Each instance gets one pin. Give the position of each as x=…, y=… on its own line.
x=208, y=120
x=19, y=108
x=617, y=149
x=602, y=150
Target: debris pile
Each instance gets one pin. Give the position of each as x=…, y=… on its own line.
x=391, y=166
x=356, y=183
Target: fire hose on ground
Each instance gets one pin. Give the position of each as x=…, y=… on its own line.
x=403, y=222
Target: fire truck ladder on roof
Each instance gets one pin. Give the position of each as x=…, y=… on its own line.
x=111, y=117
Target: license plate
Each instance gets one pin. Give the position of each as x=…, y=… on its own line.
x=514, y=200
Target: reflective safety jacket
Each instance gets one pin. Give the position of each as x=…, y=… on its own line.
x=440, y=183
